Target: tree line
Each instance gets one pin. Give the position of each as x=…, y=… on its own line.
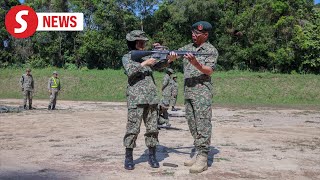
x=257, y=35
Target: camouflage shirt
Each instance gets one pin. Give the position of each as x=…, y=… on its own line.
x=27, y=82
x=166, y=85
x=141, y=88
x=197, y=84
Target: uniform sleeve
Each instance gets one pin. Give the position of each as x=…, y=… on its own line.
x=59, y=86
x=32, y=83
x=21, y=81
x=211, y=61
x=130, y=67
x=49, y=84
x=165, y=81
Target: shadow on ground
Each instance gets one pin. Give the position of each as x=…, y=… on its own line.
x=163, y=152
x=44, y=174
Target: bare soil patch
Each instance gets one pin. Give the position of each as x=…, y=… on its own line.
x=83, y=140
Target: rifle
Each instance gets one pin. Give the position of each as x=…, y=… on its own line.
x=137, y=55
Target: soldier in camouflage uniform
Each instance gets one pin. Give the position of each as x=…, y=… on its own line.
x=27, y=87
x=174, y=92
x=142, y=101
x=54, y=87
x=166, y=96
x=198, y=92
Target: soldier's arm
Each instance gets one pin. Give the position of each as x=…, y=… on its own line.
x=59, y=86
x=209, y=65
x=21, y=81
x=165, y=82
x=32, y=83
x=49, y=84
x=131, y=67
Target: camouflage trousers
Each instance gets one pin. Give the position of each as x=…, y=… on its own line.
x=173, y=101
x=198, y=115
x=166, y=100
x=53, y=96
x=27, y=96
x=148, y=113
x=163, y=115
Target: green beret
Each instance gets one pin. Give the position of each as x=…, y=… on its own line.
x=136, y=35
x=202, y=26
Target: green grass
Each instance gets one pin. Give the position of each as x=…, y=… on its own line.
x=230, y=88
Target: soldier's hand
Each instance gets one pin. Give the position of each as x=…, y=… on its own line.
x=172, y=56
x=192, y=59
x=149, y=62
x=156, y=44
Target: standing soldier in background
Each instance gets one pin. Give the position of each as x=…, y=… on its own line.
x=54, y=87
x=165, y=102
x=142, y=101
x=174, y=92
x=27, y=87
x=166, y=88
x=198, y=92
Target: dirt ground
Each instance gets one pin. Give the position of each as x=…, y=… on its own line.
x=83, y=140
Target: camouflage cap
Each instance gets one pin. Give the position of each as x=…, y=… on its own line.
x=28, y=70
x=170, y=70
x=202, y=26
x=55, y=72
x=174, y=76
x=136, y=35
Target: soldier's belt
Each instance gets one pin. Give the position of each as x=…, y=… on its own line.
x=138, y=77
x=191, y=82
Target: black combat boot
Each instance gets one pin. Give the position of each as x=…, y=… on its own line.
x=49, y=107
x=152, y=158
x=30, y=107
x=53, y=107
x=25, y=107
x=128, y=162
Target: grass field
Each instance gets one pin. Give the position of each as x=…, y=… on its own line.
x=230, y=88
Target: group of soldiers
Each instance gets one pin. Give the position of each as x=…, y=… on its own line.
x=142, y=99
x=169, y=97
x=28, y=89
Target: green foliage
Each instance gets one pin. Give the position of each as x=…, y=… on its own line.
x=256, y=35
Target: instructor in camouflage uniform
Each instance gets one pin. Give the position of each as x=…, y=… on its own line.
x=142, y=100
x=27, y=87
x=198, y=92
x=54, y=87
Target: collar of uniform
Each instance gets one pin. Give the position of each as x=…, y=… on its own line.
x=202, y=46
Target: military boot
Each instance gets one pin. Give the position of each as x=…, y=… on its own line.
x=152, y=158
x=128, y=162
x=191, y=161
x=25, y=107
x=49, y=107
x=30, y=107
x=200, y=165
x=174, y=109
x=53, y=107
